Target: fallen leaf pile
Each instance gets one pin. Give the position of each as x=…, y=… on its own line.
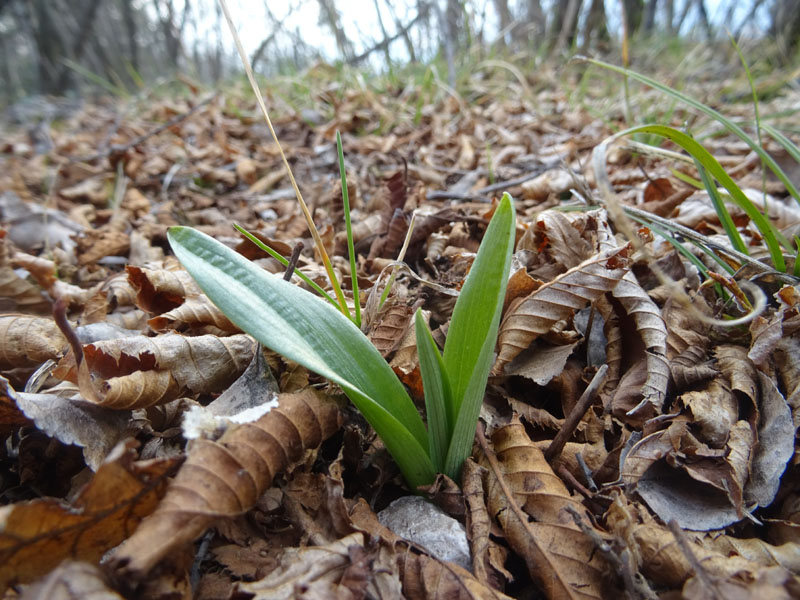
x=152, y=450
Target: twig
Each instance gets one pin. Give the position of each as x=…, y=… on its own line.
x=576, y=414
x=120, y=148
x=635, y=584
x=687, y=551
x=480, y=195
x=298, y=248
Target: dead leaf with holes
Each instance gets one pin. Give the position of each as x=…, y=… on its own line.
x=139, y=371
x=37, y=535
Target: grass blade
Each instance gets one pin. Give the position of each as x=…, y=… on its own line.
x=727, y=123
x=715, y=170
x=309, y=331
x=721, y=210
x=469, y=348
x=349, y=229
x=282, y=259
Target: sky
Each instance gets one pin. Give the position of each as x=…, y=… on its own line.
x=361, y=23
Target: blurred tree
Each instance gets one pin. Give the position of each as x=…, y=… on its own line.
x=786, y=26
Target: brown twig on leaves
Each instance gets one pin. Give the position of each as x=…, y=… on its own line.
x=584, y=402
x=120, y=148
x=635, y=584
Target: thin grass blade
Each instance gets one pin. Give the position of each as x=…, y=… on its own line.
x=715, y=170
x=721, y=210
x=727, y=123
x=349, y=230
x=282, y=259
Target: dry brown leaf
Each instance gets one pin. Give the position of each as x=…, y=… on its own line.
x=776, y=444
x=653, y=332
x=16, y=293
x=561, y=559
x=691, y=368
x=390, y=329
x=73, y=421
x=659, y=555
x=685, y=480
x=195, y=311
x=422, y=576
x=72, y=580
x=559, y=239
x=351, y=567
x=45, y=272
x=534, y=315
x=139, y=371
x=27, y=341
x=787, y=360
x=36, y=536
x=755, y=550
x=160, y=290
x=95, y=244
x=226, y=477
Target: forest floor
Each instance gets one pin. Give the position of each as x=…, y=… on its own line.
x=678, y=480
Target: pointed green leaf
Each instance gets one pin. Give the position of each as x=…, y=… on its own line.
x=309, y=331
x=469, y=348
x=434, y=380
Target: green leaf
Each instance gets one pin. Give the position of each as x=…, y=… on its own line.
x=471, y=337
x=309, y=331
x=437, y=391
x=727, y=123
x=715, y=170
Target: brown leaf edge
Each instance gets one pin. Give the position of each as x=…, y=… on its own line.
x=224, y=478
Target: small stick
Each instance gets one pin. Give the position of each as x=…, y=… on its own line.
x=120, y=148
x=298, y=248
x=686, y=549
x=635, y=584
x=576, y=414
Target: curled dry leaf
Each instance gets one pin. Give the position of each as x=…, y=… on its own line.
x=139, y=371
x=561, y=559
x=653, y=332
x=226, y=477
x=27, y=341
x=390, y=328
x=351, y=567
x=195, y=311
x=37, y=535
x=534, y=315
x=661, y=559
x=72, y=580
x=160, y=290
x=17, y=293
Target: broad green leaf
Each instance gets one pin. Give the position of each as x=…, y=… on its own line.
x=471, y=337
x=437, y=392
x=309, y=331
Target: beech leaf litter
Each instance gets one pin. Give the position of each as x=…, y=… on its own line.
x=629, y=444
